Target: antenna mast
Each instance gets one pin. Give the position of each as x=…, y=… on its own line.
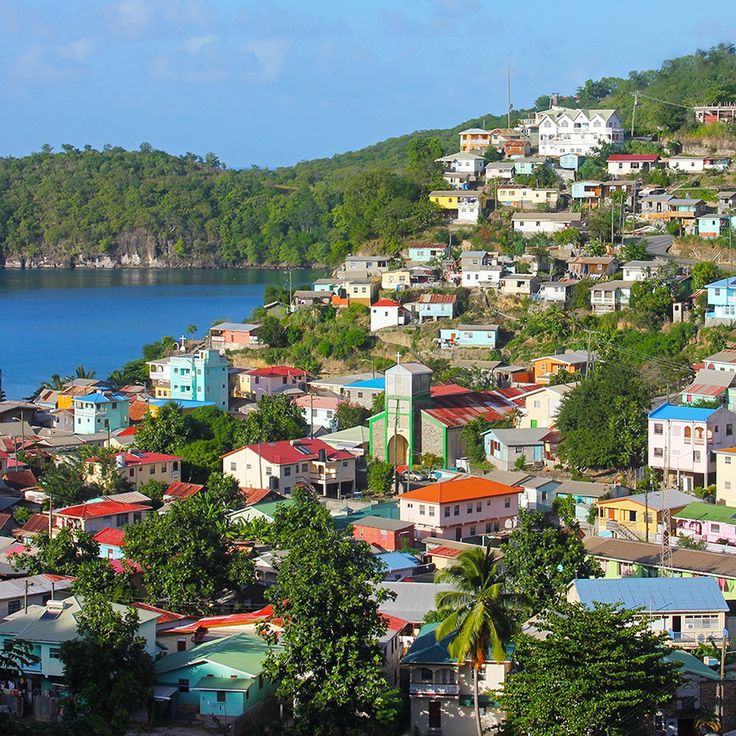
x=508, y=89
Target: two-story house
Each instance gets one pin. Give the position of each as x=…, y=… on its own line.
x=464, y=162
x=689, y=610
x=526, y=197
x=726, y=476
x=475, y=139
x=100, y=411
x=234, y=336
x=33, y=590
x=276, y=379
x=138, y=467
x=283, y=465
x=683, y=441
x=721, y=301
x=542, y=404
x=531, y=223
x=460, y=508
x=555, y=292
x=668, y=207
x=441, y=689
x=319, y=411
x=563, y=130
x=95, y=516
x=610, y=296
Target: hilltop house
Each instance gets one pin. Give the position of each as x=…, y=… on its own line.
x=668, y=207
x=362, y=266
x=460, y=508
x=100, y=411
x=726, y=201
x=319, y=411
x=642, y=270
x=504, y=447
x=501, y=170
x=563, y=130
x=519, y=284
x=466, y=205
x=138, y=467
x=620, y=164
x=698, y=164
x=531, y=223
x=571, y=361
x=542, y=404
x=234, y=336
x=610, y=296
x=526, y=197
x=426, y=253
x=721, y=301
x=485, y=275
x=555, y=292
x=276, y=379
x=682, y=440
x=282, y=465
x=94, y=516
x=474, y=139
x=592, y=267
x=469, y=336
x=464, y=162
x=388, y=313
x=434, y=307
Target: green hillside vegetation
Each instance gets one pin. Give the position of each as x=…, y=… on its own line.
x=72, y=206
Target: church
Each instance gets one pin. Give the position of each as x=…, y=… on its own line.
x=419, y=418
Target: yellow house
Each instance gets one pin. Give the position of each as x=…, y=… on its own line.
x=526, y=197
x=139, y=467
x=449, y=199
x=396, y=279
x=726, y=476
x=239, y=383
x=639, y=517
x=362, y=291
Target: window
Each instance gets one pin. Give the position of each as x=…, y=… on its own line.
x=221, y=696
x=537, y=404
x=431, y=510
x=696, y=456
x=121, y=519
x=472, y=531
x=727, y=485
x=447, y=511
x=54, y=652
x=175, y=465
x=305, y=467
x=422, y=510
x=268, y=470
x=729, y=430
x=344, y=463
x=507, y=502
x=152, y=470
x=658, y=452
x=287, y=471
x=469, y=508
x=13, y=606
x=181, y=644
x=658, y=429
x=632, y=515
x=137, y=517
x=233, y=467
x=715, y=528
x=183, y=685
x=457, y=510
x=479, y=506
x=131, y=472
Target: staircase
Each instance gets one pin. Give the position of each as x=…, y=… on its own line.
x=622, y=531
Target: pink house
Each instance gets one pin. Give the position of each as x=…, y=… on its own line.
x=276, y=379
x=234, y=336
x=707, y=522
x=683, y=440
x=460, y=508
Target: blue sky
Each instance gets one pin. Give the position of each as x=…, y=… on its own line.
x=277, y=81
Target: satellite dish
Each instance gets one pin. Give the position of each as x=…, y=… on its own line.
x=508, y=524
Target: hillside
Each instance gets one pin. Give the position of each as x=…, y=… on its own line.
x=149, y=208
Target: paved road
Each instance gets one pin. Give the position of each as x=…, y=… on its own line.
x=659, y=246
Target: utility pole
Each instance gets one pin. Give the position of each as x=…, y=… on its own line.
x=722, y=678
x=508, y=89
x=633, y=112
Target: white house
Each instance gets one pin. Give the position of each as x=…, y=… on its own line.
x=473, y=276
x=319, y=411
x=620, y=164
x=530, y=223
x=555, y=292
x=563, y=130
x=388, y=313
x=642, y=270
x=542, y=404
x=465, y=162
x=688, y=164
x=500, y=170
x=610, y=296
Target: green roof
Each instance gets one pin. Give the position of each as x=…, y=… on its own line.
x=691, y=665
x=242, y=652
x=357, y=434
x=700, y=511
x=209, y=682
x=427, y=650
x=387, y=510
x=269, y=508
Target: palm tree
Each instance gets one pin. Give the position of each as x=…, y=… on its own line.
x=477, y=611
x=82, y=372
x=117, y=378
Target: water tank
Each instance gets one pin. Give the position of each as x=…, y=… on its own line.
x=120, y=461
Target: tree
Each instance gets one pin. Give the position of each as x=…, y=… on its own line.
x=598, y=672
x=472, y=434
x=651, y=302
x=186, y=558
x=567, y=236
x=96, y=577
x=276, y=418
x=82, y=372
x=603, y=420
x=61, y=554
x=703, y=273
x=163, y=433
x=541, y=559
x=63, y=481
x=224, y=490
x=16, y=654
x=330, y=664
x=380, y=477
x=378, y=404
x=272, y=332
x=350, y=415
x=477, y=612
x=107, y=671
x=634, y=250
x=155, y=490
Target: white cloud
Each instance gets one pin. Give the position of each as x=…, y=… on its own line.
x=77, y=51
x=194, y=44
x=270, y=54
x=133, y=16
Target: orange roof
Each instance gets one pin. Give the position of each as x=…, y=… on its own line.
x=444, y=552
x=465, y=489
x=727, y=449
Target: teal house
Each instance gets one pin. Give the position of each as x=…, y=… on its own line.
x=221, y=678
x=426, y=253
x=101, y=411
x=200, y=376
x=469, y=336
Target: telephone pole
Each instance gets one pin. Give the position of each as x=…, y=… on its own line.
x=633, y=113
x=508, y=89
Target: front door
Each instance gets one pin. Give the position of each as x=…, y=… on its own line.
x=435, y=714
x=677, y=624
x=458, y=533
x=533, y=424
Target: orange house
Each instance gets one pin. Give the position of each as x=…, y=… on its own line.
x=572, y=361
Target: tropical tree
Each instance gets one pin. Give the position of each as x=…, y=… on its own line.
x=163, y=433
x=349, y=415
x=477, y=611
x=82, y=372
x=276, y=418
x=61, y=554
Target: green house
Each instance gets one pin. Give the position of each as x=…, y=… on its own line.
x=222, y=677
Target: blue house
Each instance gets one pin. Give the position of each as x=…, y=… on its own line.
x=586, y=190
x=711, y=226
x=571, y=161
x=200, y=376
x=527, y=165
x=398, y=565
x=101, y=411
x=434, y=306
x=426, y=253
x=221, y=678
x=331, y=285
x=469, y=336
x=721, y=301
x=504, y=447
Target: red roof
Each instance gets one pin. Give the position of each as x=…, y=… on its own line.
x=633, y=157
x=138, y=457
x=113, y=537
x=165, y=616
x=236, y=619
x=117, y=566
x=385, y=303
x=394, y=623
x=4, y=519
x=277, y=370
x=444, y=552
x=447, y=389
x=288, y=452
x=21, y=478
x=178, y=489
x=100, y=508
x=128, y=431
x=36, y=523
x=437, y=299
x=456, y=410
x=705, y=389
x=252, y=496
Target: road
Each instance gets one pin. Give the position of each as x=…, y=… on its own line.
x=658, y=246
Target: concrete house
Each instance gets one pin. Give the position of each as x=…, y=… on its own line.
x=642, y=270
x=388, y=534
x=500, y=170
x=234, y=336
x=95, y=516
x=721, y=301
x=441, y=690
x=483, y=276
x=592, y=267
x=464, y=205
x=683, y=440
x=466, y=162
x=34, y=590
x=434, y=307
x=388, y=313
x=504, y=447
x=668, y=207
x=542, y=405
x=138, y=467
x=726, y=476
x=100, y=411
x=276, y=379
x=610, y=296
x=707, y=522
x=460, y=508
x=469, y=336
x=359, y=266
x=712, y=226
x=519, y=284
x=571, y=361
x=319, y=411
x=526, y=197
x=586, y=495
x=621, y=164
x=200, y=377
x=726, y=201
x=555, y=292
x=689, y=610
x=474, y=139
x=426, y=253
x=563, y=130
x=531, y=223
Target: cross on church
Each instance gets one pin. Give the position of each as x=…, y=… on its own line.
x=398, y=357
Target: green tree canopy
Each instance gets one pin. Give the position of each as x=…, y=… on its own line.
x=276, y=418
x=350, y=415
x=704, y=273
x=598, y=672
x=62, y=554
x=330, y=664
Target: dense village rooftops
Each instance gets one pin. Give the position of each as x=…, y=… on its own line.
x=287, y=452
x=279, y=370
x=548, y=216
x=651, y=157
x=699, y=511
x=98, y=397
x=653, y=594
x=656, y=500
x=464, y=489
x=99, y=509
x=682, y=560
x=681, y=413
x=457, y=409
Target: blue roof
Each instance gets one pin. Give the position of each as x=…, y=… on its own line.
x=722, y=283
x=183, y=403
x=654, y=594
x=684, y=413
x=427, y=650
x=394, y=561
x=378, y=383
x=98, y=398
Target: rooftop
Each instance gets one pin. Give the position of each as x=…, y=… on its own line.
x=379, y=522
x=548, y=216
x=288, y=452
x=95, y=510
x=699, y=511
x=278, y=370
x=656, y=500
x=235, y=326
x=463, y=489
x=681, y=413
x=412, y=600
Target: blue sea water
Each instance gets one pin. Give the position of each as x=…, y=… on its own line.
x=54, y=320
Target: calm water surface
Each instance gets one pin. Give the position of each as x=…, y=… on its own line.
x=51, y=321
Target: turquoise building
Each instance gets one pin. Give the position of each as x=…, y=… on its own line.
x=101, y=411
x=222, y=677
x=426, y=253
x=711, y=226
x=200, y=376
x=469, y=336
x=571, y=161
x=721, y=301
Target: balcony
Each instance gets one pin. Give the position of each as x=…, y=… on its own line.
x=433, y=689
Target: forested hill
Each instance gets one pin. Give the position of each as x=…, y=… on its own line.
x=147, y=207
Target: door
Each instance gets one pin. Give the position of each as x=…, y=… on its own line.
x=533, y=424
x=677, y=624
x=458, y=533
x=435, y=714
